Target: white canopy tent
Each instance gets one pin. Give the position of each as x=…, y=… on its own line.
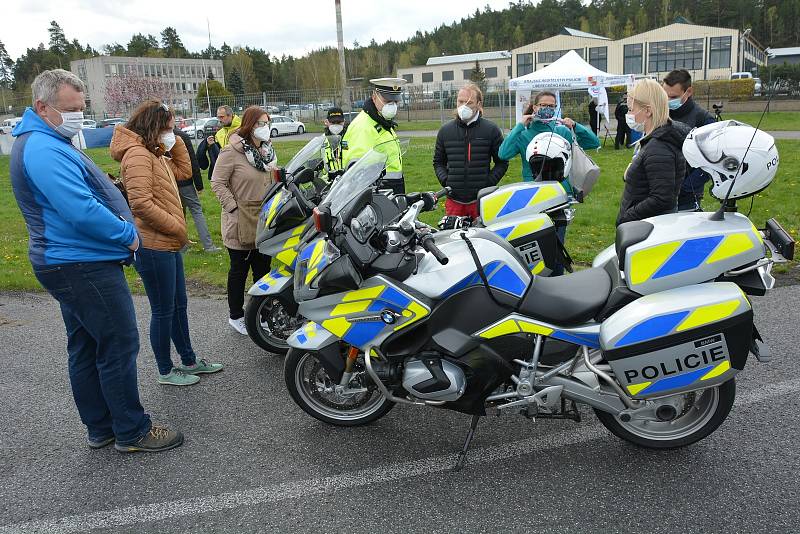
x=569, y=73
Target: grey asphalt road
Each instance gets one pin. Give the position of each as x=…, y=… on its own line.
x=254, y=462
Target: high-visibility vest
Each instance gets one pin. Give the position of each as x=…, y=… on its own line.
x=362, y=135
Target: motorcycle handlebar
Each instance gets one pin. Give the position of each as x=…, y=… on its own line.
x=429, y=245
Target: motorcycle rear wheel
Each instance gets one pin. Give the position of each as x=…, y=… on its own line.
x=700, y=414
x=313, y=390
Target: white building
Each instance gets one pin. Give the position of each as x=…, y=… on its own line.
x=457, y=69
x=708, y=53
x=184, y=76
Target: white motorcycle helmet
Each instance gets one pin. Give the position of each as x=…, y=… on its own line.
x=721, y=150
x=549, y=156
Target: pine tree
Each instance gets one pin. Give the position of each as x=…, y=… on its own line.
x=6, y=67
x=235, y=84
x=58, y=41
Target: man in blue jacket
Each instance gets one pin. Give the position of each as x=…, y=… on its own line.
x=81, y=233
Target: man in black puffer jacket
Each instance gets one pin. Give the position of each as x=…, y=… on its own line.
x=683, y=108
x=654, y=177
x=465, y=149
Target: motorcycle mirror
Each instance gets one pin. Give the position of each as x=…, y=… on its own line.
x=279, y=175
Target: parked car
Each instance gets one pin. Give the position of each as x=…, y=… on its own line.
x=350, y=115
x=282, y=125
x=741, y=75
x=105, y=123
x=89, y=124
x=272, y=109
x=7, y=125
x=211, y=127
x=195, y=130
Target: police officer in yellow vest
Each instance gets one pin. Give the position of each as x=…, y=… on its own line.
x=334, y=131
x=374, y=126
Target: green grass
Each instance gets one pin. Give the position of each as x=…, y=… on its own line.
x=773, y=122
x=591, y=231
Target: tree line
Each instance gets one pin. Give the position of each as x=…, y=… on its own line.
x=774, y=23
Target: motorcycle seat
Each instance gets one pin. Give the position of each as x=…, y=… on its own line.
x=567, y=300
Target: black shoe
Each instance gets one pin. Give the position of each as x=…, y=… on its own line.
x=99, y=443
x=160, y=438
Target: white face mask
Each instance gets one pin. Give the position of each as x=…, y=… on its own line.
x=389, y=110
x=262, y=133
x=630, y=120
x=336, y=129
x=71, y=123
x=465, y=112
x=168, y=140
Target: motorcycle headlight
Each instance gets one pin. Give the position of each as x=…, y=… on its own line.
x=364, y=224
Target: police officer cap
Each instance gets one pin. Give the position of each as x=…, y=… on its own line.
x=335, y=114
x=390, y=89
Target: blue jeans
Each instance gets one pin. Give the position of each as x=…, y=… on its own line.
x=102, y=344
x=164, y=282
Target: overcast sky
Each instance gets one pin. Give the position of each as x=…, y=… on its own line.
x=282, y=26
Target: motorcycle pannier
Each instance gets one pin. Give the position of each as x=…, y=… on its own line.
x=679, y=340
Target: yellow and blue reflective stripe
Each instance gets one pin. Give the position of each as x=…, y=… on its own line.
x=691, y=254
x=499, y=275
x=663, y=325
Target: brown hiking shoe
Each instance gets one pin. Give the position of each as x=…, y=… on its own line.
x=160, y=438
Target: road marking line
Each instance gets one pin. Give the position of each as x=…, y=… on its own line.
x=305, y=488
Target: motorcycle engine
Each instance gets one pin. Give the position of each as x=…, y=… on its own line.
x=430, y=377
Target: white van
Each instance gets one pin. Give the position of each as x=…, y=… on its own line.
x=740, y=75
x=7, y=125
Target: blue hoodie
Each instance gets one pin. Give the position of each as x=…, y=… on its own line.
x=72, y=210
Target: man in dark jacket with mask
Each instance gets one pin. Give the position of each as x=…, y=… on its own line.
x=465, y=149
x=188, y=190
x=683, y=108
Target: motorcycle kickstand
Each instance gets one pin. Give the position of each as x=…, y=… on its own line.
x=462, y=456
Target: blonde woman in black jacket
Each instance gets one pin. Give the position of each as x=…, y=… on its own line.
x=653, y=178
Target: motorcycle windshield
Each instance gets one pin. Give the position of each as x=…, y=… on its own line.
x=710, y=142
x=308, y=157
x=363, y=174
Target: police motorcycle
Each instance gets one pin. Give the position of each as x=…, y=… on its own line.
x=271, y=313
x=455, y=320
x=525, y=214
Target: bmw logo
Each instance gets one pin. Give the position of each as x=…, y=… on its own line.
x=388, y=317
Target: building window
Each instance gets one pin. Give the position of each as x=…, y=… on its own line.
x=409, y=78
x=427, y=77
x=632, y=63
x=665, y=56
x=447, y=75
x=491, y=72
x=553, y=55
x=524, y=64
x=720, y=55
x=509, y=71
x=598, y=57
x=467, y=73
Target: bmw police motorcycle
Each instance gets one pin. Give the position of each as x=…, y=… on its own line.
x=271, y=313
x=401, y=315
x=524, y=214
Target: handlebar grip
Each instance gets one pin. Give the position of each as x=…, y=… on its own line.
x=442, y=193
x=429, y=245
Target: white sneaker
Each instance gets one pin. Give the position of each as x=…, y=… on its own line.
x=238, y=325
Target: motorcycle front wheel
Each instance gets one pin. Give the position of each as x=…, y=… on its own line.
x=316, y=393
x=696, y=415
x=269, y=323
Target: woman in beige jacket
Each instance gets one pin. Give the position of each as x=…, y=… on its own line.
x=242, y=175
x=152, y=159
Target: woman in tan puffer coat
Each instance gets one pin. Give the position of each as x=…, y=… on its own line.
x=242, y=175
x=152, y=159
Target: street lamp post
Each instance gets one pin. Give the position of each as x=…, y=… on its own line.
x=742, y=38
x=342, y=69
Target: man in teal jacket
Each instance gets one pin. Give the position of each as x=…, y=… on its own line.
x=540, y=118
